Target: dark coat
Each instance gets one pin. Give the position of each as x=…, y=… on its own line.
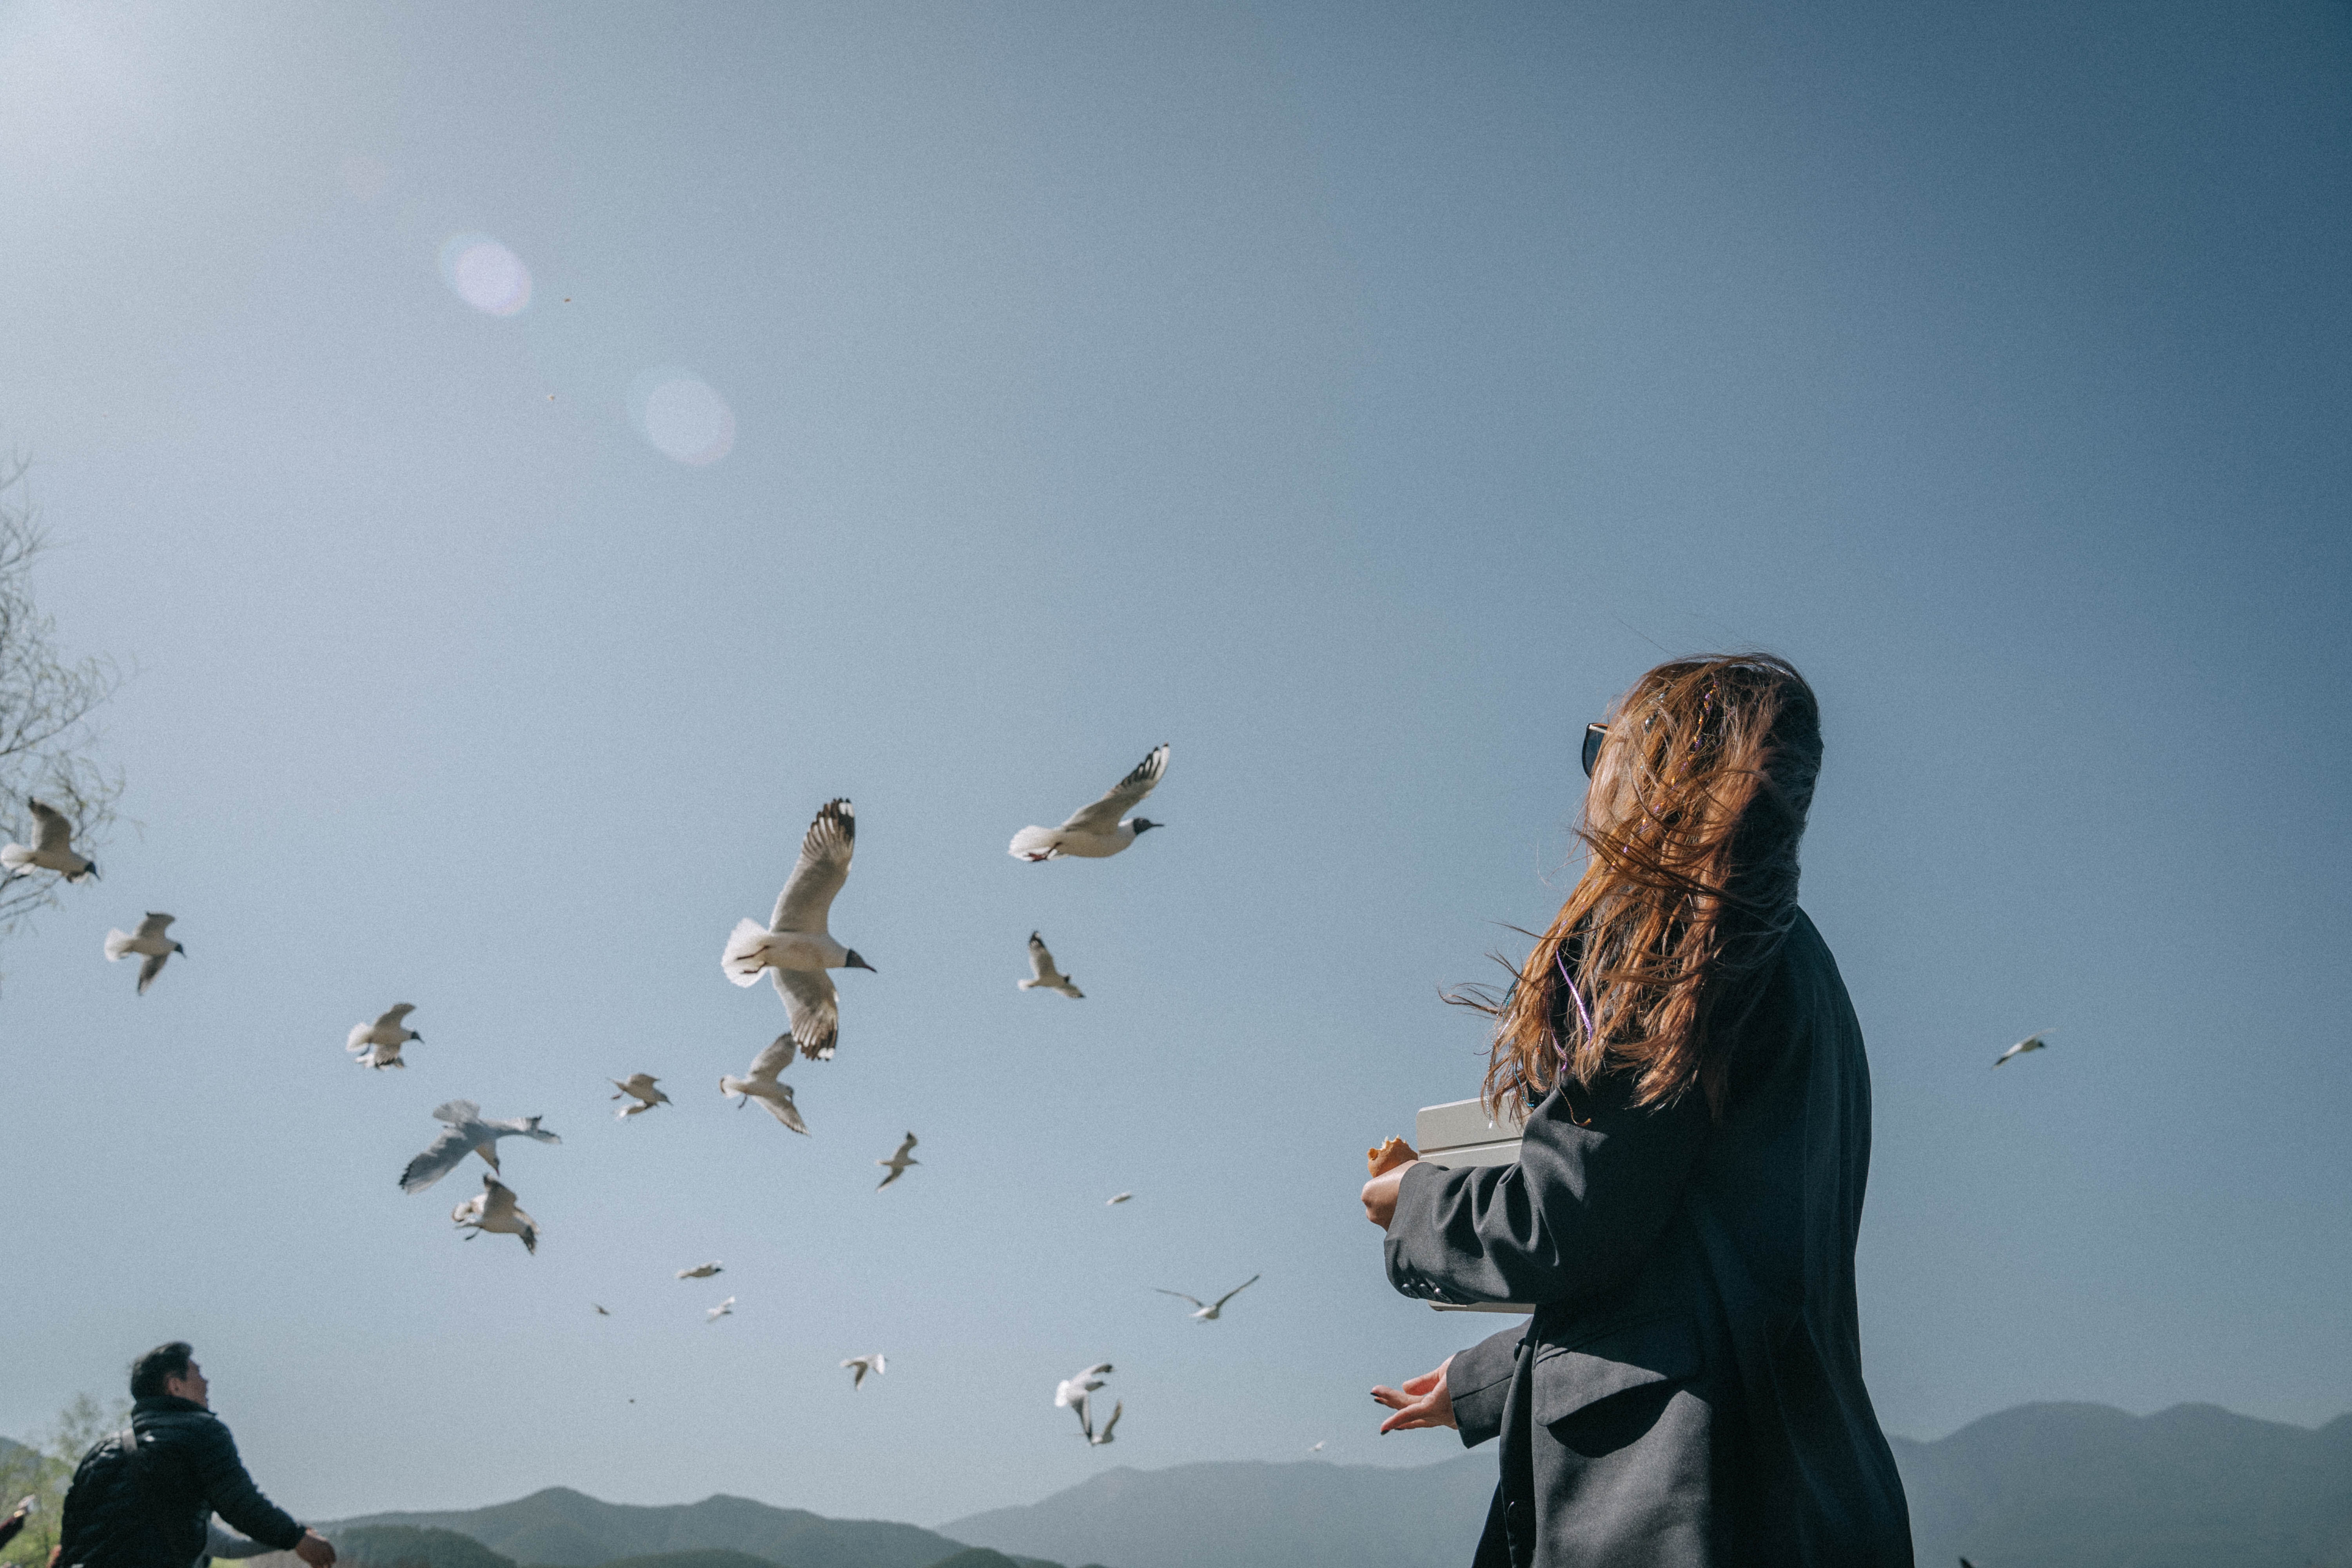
x=187, y=1469
x=1689, y=1391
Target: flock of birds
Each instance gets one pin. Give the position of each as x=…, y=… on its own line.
x=796, y=950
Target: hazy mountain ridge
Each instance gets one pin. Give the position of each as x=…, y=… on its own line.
x=2040, y=1486
x=565, y=1529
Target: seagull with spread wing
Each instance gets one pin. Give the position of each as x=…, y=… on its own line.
x=701, y=1271
x=900, y=1158
x=796, y=947
x=639, y=1090
x=859, y=1365
x=2031, y=1043
x=1042, y=975
x=51, y=850
x=1086, y=1420
x=1096, y=831
x=766, y=1082
x=493, y=1209
x=466, y=1133
x=1073, y=1394
x=1209, y=1310
x=149, y=940
x=377, y=1045
x=724, y=1310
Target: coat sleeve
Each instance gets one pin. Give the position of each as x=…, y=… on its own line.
x=230, y=1492
x=1572, y=1218
x=1477, y=1381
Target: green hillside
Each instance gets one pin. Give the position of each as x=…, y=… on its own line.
x=406, y=1546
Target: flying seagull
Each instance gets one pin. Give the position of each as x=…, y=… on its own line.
x=1042, y=975
x=52, y=850
x=766, y=1083
x=859, y=1365
x=377, y=1045
x=600, y=1311
x=1317, y=1446
x=1116, y=1198
x=1073, y=1390
x=2031, y=1043
x=724, y=1310
x=898, y=1163
x=148, y=939
x=493, y=1208
x=796, y=948
x=1096, y=831
x=467, y=1133
x=1209, y=1310
x=638, y=1088
x=701, y=1271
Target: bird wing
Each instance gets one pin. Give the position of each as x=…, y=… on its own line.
x=440, y=1158
x=148, y=970
x=818, y=874
x=1195, y=1299
x=457, y=1112
x=1085, y=1407
x=809, y=1002
x=1123, y=796
x=1041, y=961
x=154, y=924
x=1239, y=1288
x=904, y=1149
x=1117, y=1409
x=55, y=831
x=394, y=1014
x=773, y=1061
x=497, y=1200
x=784, y=1110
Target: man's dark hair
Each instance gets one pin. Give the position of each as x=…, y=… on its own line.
x=151, y=1370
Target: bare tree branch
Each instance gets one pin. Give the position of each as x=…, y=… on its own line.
x=48, y=736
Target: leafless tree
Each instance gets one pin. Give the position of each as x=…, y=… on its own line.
x=49, y=738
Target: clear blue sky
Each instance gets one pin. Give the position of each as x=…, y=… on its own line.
x=1353, y=397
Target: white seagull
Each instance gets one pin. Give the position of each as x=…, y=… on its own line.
x=2031, y=1043
x=493, y=1209
x=377, y=1045
x=1073, y=1390
x=766, y=1083
x=701, y=1271
x=900, y=1158
x=1042, y=975
x=1209, y=1310
x=148, y=939
x=467, y=1133
x=859, y=1365
x=52, y=850
x=1096, y=831
x=795, y=946
x=638, y=1088
x=1317, y=1446
x=724, y=1310
x=1116, y=1198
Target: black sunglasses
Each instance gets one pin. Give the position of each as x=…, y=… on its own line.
x=1593, y=735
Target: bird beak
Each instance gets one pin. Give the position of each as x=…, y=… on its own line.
x=854, y=962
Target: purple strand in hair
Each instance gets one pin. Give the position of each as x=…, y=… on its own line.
x=1583, y=1014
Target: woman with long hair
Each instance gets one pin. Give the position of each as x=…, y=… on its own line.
x=1683, y=1213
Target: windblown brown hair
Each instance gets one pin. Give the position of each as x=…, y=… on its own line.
x=1699, y=798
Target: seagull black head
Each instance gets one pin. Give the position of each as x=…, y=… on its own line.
x=180, y=948
x=854, y=962
x=1143, y=825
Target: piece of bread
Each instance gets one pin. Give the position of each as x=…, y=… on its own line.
x=1389, y=1156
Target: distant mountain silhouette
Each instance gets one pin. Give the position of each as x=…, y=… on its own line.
x=2041, y=1486
x=2083, y=1486
x=565, y=1529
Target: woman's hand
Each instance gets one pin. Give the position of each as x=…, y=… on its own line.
x=1425, y=1401
x=1380, y=1195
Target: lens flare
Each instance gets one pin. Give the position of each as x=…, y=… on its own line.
x=485, y=274
x=682, y=415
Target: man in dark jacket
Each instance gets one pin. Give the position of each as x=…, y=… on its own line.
x=153, y=1507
